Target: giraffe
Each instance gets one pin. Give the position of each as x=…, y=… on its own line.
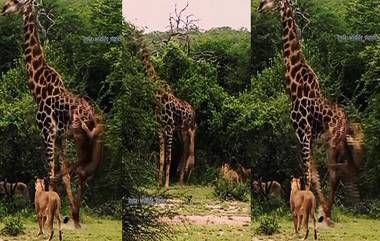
x=60, y=114
x=173, y=114
x=313, y=115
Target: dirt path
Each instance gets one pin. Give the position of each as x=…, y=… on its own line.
x=208, y=219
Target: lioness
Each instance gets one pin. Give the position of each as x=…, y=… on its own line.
x=302, y=204
x=48, y=205
x=229, y=174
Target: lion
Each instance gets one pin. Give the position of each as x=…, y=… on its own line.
x=48, y=206
x=229, y=174
x=302, y=204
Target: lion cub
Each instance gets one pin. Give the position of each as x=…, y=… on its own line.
x=302, y=204
x=48, y=205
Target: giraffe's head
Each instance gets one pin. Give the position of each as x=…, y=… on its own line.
x=14, y=6
x=267, y=5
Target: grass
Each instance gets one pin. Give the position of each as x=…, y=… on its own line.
x=348, y=229
x=200, y=200
x=93, y=229
x=212, y=232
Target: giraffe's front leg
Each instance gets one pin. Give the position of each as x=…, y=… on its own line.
x=162, y=157
x=305, y=136
x=50, y=135
x=168, y=154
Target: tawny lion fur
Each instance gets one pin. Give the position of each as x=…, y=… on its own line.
x=48, y=206
x=229, y=173
x=303, y=205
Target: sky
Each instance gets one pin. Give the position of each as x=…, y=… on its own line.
x=153, y=15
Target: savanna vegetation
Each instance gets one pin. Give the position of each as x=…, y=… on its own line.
x=79, y=45
x=340, y=41
x=206, y=68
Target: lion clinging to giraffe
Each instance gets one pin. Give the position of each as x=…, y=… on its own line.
x=60, y=113
x=312, y=114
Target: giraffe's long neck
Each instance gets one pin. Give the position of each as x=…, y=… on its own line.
x=163, y=87
x=34, y=56
x=293, y=55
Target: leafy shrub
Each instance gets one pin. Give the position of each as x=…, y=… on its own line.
x=112, y=208
x=19, y=205
x=268, y=225
x=3, y=210
x=370, y=209
x=275, y=206
x=227, y=190
x=12, y=226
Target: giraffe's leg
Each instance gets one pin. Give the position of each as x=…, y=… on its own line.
x=305, y=136
x=332, y=154
x=83, y=158
x=80, y=183
x=168, y=155
x=162, y=157
x=50, y=139
x=66, y=179
x=183, y=162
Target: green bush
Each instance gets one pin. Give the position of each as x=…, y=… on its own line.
x=268, y=225
x=273, y=206
x=3, y=210
x=19, y=205
x=12, y=226
x=227, y=190
x=369, y=208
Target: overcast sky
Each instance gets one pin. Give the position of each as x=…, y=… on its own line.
x=154, y=14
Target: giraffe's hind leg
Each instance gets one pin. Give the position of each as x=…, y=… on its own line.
x=82, y=147
x=183, y=162
x=66, y=179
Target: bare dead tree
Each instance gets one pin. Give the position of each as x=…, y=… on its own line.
x=180, y=26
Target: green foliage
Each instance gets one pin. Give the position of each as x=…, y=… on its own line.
x=268, y=225
x=227, y=190
x=19, y=206
x=84, y=66
x=368, y=208
x=3, y=210
x=13, y=226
